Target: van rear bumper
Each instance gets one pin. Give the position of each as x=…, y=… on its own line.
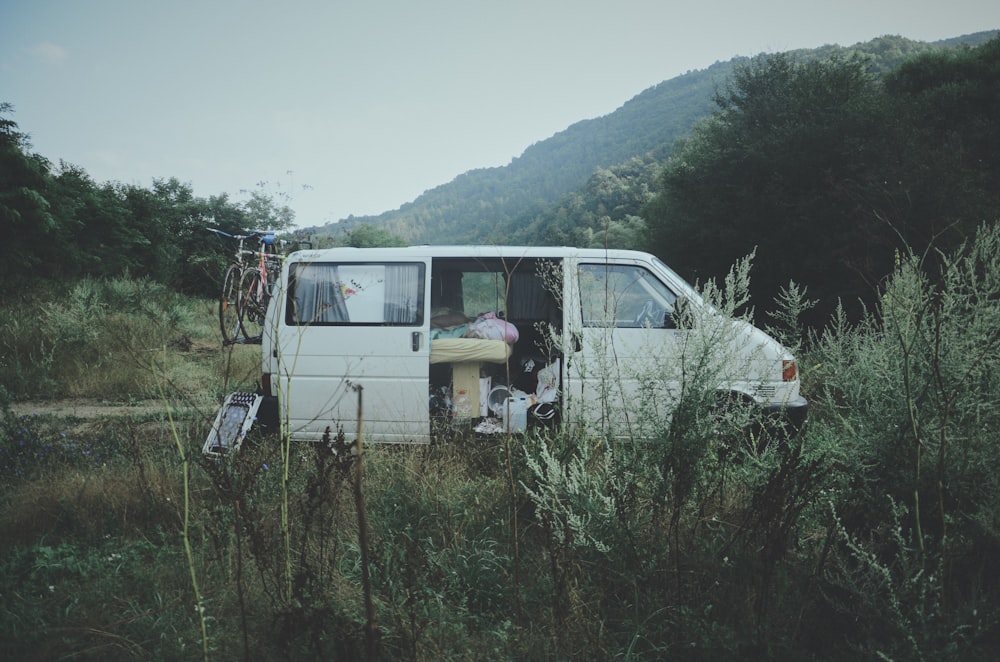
x=788, y=418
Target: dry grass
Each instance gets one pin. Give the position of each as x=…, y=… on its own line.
x=91, y=504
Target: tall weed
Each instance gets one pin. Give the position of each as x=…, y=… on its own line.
x=652, y=512
x=105, y=339
x=665, y=535
x=911, y=396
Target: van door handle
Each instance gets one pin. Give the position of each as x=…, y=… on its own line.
x=577, y=342
x=415, y=341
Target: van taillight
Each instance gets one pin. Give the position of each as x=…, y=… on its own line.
x=789, y=371
x=265, y=383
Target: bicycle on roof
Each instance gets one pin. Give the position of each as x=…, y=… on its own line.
x=247, y=286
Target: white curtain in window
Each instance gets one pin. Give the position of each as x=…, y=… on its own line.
x=317, y=295
x=403, y=293
x=376, y=293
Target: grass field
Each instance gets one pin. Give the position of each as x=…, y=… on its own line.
x=871, y=536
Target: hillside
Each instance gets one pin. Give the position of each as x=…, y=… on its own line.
x=474, y=204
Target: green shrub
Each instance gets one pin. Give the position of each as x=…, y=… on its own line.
x=909, y=400
x=71, y=600
x=115, y=339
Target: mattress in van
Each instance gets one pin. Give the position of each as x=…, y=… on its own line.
x=460, y=350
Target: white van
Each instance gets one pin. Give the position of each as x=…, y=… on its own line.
x=496, y=339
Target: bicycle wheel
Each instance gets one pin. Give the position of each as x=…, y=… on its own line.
x=229, y=312
x=253, y=304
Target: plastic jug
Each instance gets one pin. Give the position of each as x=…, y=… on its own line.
x=515, y=414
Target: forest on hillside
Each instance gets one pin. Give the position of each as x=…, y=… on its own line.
x=646, y=127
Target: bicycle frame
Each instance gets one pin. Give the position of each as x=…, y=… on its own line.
x=247, y=284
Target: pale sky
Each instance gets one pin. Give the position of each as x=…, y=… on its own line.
x=357, y=107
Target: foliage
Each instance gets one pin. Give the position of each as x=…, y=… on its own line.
x=370, y=236
x=603, y=214
x=24, y=211
x=547, y=178
x=828, y=170
x=108, y=339
x=911, y=393
x=60, y=225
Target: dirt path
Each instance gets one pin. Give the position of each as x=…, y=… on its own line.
x=91, y=408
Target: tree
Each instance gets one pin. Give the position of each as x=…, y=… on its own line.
x=97, y=236
x=603, y=214
x=370, y=236
x=773, y=168
x=263, y=213
x=828, y=171
x=945, y=179
x=25, y=215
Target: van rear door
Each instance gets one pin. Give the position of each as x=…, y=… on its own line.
x=356, y=327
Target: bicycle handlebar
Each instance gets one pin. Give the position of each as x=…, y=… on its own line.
x=265, y=236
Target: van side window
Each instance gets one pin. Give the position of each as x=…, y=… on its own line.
x=624, y=296
x=384, y=294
